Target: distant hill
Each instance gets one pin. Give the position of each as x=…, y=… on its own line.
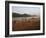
x=20, y=15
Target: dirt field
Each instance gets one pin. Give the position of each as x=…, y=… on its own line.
x=31, y=24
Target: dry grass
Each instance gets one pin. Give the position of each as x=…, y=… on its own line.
x=32, y=24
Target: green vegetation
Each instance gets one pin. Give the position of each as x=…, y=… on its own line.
x=20, y=15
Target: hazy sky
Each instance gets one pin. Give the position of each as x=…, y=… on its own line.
x=26, y=10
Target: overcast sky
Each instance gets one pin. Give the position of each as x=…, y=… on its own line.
x=26, y=10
